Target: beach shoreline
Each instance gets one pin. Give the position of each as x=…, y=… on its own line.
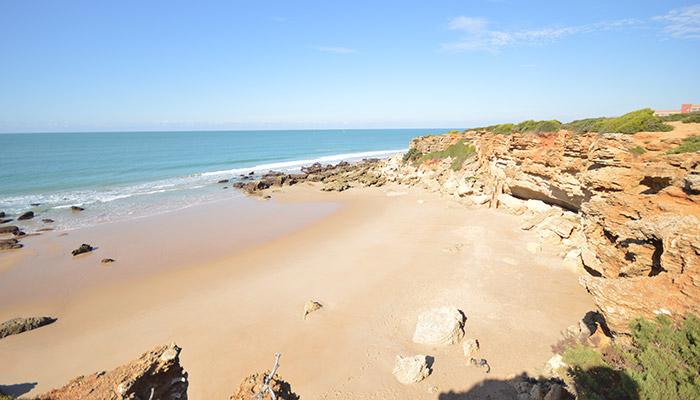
x=375, y=261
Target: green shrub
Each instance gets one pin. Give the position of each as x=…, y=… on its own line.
x=538, y=126
x=411, y=155
x=636, y=121
x=586, y=125
x=595, y=379
x=638, y=151
x=689, y=117
x=672, y=117
x=669, y=357
x=502, y=129
x=691, y=145
x=692, y=118
x=460, y=151
x=663, y=362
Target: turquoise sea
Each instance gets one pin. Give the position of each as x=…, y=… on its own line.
x=123, y=175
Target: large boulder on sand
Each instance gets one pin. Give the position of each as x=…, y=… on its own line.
x=440, y=325
x=411, y=369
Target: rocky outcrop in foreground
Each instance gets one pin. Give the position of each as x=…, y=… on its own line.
x=157, y=374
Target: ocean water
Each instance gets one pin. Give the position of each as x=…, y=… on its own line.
x=123, y=175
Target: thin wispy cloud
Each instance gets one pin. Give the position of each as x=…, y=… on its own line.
x=683, y=23
x=336, y=50
x=478, y=36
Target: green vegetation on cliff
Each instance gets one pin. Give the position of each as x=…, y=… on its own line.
x=525, y=126
x=460, y=151
x=636, y=121
x=633, y=122
x=691, y=144
x=663, y=362
x=412, y=155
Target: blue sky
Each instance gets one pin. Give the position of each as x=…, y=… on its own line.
x=256, y=64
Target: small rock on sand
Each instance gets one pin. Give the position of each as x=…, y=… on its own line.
x=409, y=370
x=47, y=220
x=534, y=248
x=310, y=307
x=107, y=261
x=19, y=325
x=440, y=325
x=76, y=208
x=470, y=347
x=84, y=248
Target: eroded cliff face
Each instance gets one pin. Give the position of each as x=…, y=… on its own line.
x=636, y=217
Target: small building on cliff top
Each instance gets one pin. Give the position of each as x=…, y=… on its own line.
x=685, y=109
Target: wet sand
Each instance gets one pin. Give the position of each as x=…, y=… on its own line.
x=374, y=261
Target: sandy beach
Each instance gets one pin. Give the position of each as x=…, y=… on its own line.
x=228, y=285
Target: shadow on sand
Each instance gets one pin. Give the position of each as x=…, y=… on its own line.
x=17, y=389
x=595, y=383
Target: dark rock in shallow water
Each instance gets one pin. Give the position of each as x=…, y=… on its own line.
x=2, y=214
x=26, y=216
x=251, y=173
x=9, y=229
x=9, y=244
x=19, y=325
x=4, y=221
x=47, y=220
x=223, y=181
x=76, y=208
x=84, y=248
x=35, y=204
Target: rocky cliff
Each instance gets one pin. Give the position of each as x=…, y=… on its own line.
x=625, y=211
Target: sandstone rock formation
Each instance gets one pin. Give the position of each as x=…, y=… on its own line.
x=19, y=325
x=440, y=326
x=409, y=370
x=629, y=222
x=250, y=388
x=157, y=374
